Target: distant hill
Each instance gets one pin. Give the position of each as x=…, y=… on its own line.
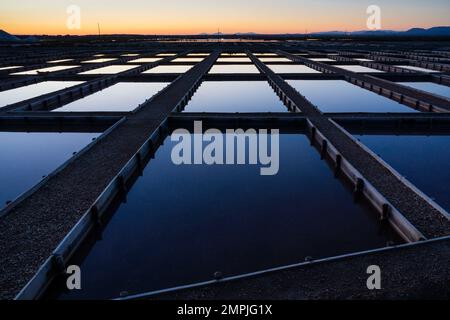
x=29, y=39
x=436, y=31
x=432, y=32
x=6, y=37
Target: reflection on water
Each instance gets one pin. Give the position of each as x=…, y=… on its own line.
x=424, y=160
x=26, y=157
x=291, y=68
x=60, y=61
x=145, y=60
x=48, y=69
x=322, y=59
x=234, y=60
x=275, y=60
x=234, y=68
x=100, y=60
x=125, y=96
x=235, y=96
x=9, y=68
x=341, y=96
x=418, y=69
x=188, y=60
x=242, y=54
x=429, y=87
x=360, y=69
x=168, y=69
x=181, y=224
x=24, y=93
x=266, y=54
x=109, y=70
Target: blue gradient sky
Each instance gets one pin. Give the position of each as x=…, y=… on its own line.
x=196, y=16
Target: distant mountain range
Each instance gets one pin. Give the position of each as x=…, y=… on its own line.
x=414, y=32
x=432, y=32
x=5, y=36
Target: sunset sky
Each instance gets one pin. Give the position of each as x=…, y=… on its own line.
x=198, y=16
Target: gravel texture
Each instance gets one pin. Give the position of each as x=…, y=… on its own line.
x=419, y=272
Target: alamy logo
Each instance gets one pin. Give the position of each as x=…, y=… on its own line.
x=374, y=281
x=73, y=17
x=214, y=147
x=73, y=281
x=374, y=20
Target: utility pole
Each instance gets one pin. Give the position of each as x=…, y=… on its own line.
x=98, y=26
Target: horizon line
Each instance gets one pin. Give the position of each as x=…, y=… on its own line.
x=225, y=34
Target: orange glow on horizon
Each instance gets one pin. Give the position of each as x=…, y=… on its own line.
x=26, y=28
x=204, y=16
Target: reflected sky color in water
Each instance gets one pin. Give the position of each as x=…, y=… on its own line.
x=168, y=69
x=292, y=68
x=322, y=59
x=341, y=96
x=271, y=59
x=60, y=61
x=425, y=161
x=429, y=87
x=48, y=69
x=100, y=60
x=233, y=68
x=226, y=54
x=234, y=60
x=235, y=96
x=9, y=68
x=188, y=60
x=24, y=93
x=145, y=60
x=418, y=69
x=110, y=69
x=265, y=54
x=360, y=69
x=125, y=96
x=181, y=224
x=26, y=157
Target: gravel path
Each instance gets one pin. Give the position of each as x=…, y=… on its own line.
x=420, y=272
